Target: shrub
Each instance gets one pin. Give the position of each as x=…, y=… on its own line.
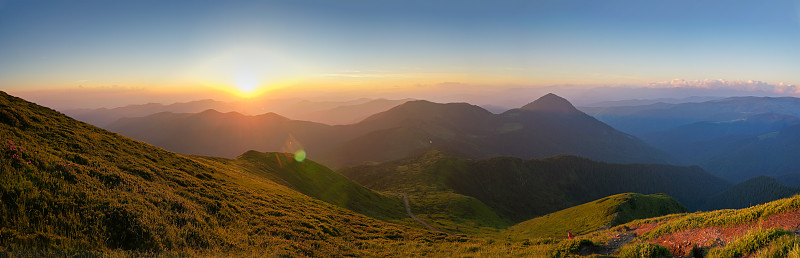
x=643, y=250
x=781, y=247
x=749, y=243
x=569, y=247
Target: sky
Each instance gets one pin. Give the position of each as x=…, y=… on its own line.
x=192, y=49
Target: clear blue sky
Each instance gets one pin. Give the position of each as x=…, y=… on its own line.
x=247, y=44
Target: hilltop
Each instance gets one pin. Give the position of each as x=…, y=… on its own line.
x=596, y=215
x=551, y=103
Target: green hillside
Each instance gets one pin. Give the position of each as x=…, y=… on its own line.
x=317, y=181
x=600, y=214
x=69, y=187
x=518, y=189
x=430, y=197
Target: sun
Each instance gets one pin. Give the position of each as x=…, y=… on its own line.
x=247, y=84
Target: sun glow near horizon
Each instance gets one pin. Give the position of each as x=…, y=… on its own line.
x=247, y=84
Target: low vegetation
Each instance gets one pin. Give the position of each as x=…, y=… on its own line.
x=315, y=180
x=597, y=215
x=643, y=250
x=750, y=242
x=723, y=218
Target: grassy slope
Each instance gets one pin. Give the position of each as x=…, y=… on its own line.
x=431, y=199
x=760, y=241
x=722, y=218
x=600, y=214
x=89, y=189
x=317, y=181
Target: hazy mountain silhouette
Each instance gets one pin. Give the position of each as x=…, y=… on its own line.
x=327, y=112
x=213, y=133
x=546, y=127
x=696, y=143
x=646, y=119
x=642, y=102
x=769, y=154
x=104, y=116
x=734, y=138
x=348, y=114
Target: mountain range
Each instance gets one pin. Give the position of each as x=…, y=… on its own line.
x=734, y=138
x=326, y=112
x=545, y=127
x=640, y=120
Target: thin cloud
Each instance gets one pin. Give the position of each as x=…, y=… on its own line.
x=749, y=85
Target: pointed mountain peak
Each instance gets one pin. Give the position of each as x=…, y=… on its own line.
x=551, y=103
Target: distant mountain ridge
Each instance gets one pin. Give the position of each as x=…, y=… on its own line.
x=644, y=119
x=327, y=112
x=770, y=154
x=548, y=126
x=735, y=138
x=693, y=143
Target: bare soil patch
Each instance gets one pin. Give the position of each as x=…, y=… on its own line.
x=681, y=243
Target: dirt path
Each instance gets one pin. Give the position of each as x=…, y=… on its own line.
x=682, y=242
x=408, y=210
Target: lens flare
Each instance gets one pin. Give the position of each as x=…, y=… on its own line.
x=293, y=149
x=300, y=155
